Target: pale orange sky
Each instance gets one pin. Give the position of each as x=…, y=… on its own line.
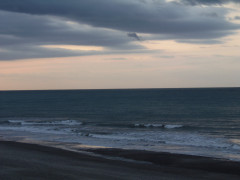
x=165, y=64
x=175, y=65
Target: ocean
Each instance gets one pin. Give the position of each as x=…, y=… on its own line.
x=196, y=121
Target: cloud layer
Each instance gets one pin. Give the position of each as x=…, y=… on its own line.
x=27, y=25
x=209, y=2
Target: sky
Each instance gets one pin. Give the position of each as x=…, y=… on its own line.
x=109, y=44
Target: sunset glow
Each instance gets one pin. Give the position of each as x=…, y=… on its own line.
x=183, y=44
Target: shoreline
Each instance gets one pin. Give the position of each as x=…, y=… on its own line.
x=174, y=160
x=33, y=161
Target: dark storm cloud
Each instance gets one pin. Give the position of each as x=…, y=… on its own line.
x=106, y=23
x=22, y=28
x=209, y=2
x=37, y=52
x=134, y=35
x=237, y=17
x=23, y=36
x=131, y=16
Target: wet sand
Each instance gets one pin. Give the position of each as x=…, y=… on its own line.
x=29, y=161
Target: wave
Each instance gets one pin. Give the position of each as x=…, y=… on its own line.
x=10, y=122
x=167, y=126
x=235, y=146
x=172, y=126
x=4, y=122
x=37, y=126
x=140, y=125
x=168, y=138
x=58, y=122
x=31, y=129
x=154, y=136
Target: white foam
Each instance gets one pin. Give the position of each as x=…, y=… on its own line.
x=59, y=122
x=44, y=130
x=154, y=125
x=171, y=126
x=149, y=125
x=235, y=146
x=149, y=138
x=114, y=137
x=197, y=140
x=172, y=138
x=67, y=122
x=168, y=126
x=15, y=122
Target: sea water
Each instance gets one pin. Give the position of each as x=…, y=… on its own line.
x=200, y=121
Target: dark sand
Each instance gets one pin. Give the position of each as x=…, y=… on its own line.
x=29, y=161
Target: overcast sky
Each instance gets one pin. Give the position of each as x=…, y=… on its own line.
x=85, y=44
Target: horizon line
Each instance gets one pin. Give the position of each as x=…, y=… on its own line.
x=214, y=87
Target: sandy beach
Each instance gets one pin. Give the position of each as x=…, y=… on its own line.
x=30, y=161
